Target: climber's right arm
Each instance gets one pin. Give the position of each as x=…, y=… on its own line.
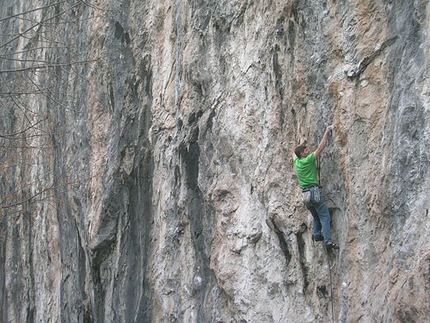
x=323, y=142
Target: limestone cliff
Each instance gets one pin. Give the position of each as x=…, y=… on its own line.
x=146, y=160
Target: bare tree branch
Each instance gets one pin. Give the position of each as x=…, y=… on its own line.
x=39, y=67
x=32, y=10
x=38, y=24
x=15, y=134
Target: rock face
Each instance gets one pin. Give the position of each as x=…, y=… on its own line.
x=146, y=153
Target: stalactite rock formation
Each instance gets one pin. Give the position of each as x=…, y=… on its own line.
x=147, y=160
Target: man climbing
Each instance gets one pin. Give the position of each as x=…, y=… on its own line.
x=306, y=170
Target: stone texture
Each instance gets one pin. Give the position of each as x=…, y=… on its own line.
x=146, y=153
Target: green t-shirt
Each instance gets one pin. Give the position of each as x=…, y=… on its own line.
x=306, y=170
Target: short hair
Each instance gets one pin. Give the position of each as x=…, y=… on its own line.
x=298, y=151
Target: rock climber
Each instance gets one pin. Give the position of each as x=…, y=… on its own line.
x=305, y=163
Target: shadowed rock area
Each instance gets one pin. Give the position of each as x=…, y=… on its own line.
x=146, y=160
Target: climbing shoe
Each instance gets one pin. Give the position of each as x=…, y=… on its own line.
x=317, y=237
x=331, y=246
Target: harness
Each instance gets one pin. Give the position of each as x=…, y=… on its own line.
x=308, y=188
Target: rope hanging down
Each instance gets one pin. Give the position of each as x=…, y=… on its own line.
x=331, y=286
x=318, y=164
x=328, y=253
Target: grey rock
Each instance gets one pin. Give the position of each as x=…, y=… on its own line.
x=147, y=172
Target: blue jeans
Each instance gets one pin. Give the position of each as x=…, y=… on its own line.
x=322, y=220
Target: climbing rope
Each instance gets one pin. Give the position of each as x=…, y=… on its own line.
x=331, y=286
x=328, y=252
x=318, y=164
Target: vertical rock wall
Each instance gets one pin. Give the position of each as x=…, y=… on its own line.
x=146, y=153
